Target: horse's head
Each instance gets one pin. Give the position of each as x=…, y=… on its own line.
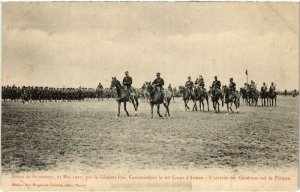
x=181, y=89
x=114, y=83
x=225, y=88
x=148, y=86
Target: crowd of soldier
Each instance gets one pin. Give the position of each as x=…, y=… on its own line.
x=13, y=93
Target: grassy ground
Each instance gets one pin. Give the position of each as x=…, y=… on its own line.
x=88, y=135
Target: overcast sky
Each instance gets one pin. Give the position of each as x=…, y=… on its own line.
x=82, y=44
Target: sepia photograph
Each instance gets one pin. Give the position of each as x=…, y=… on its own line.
x=152, y=96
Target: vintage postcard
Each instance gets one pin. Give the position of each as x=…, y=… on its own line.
x=156, y=96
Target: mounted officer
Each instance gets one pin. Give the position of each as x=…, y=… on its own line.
x=100, y=87
x=232, y=85
x=159, y=83
x=216, y=85
x=200, y=81
x=253, y=86
x=189, y=85
x=170, y=87
x=127, y=81
x=264, y=87
x=272, y=87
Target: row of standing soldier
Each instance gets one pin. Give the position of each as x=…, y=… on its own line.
x=31, y=93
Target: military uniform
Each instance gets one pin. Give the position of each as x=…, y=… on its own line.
x=200, y=82
x=189, y=85
x=232, y=86
x=127, y=81
x=216, y=85
x=158, y=82
x=264, y=88
x=101, y=87
x=246, y=86
x=253, y=86
x=272, y=88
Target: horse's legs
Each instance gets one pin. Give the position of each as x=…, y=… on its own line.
x=272, y=102
x=187, y=101
x=126, y=109
x=214, y=106
x=231, y=106
x=207, y=104
x=237, y=105
x=186, y=105
x=151, y=109
x=136, y=104
x=119, y=106
x=195, y=105
x=167, y=108
x=200, y=107
x=222, y=103
x=158, y=106
x=227, y=107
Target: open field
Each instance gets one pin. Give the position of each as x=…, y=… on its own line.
x=85, y=135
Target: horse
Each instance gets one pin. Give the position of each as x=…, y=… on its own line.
x=215, y=97
x=157, y=98
x=244, y=95
x=187, y=95
x=253, y=95
x=264, y=95
x=230, y=98
x=145, y=92
x=124, y=96
x=173, y=94
x=272, y=96
x=201, y=95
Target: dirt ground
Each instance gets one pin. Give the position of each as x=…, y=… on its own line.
x=88, y=135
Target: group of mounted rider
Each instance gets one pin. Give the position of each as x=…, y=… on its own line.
x=156, y=94
x=195, y=91
x=251, y=95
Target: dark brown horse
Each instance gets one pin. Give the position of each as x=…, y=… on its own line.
x=272, y=96
x=264, y=96
x=201, y=95
x=124, y=96
x=253, y=96
x=230, y=98
x=244, y=95
x=188, y=95
x=157, y=98
x=215, y=97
